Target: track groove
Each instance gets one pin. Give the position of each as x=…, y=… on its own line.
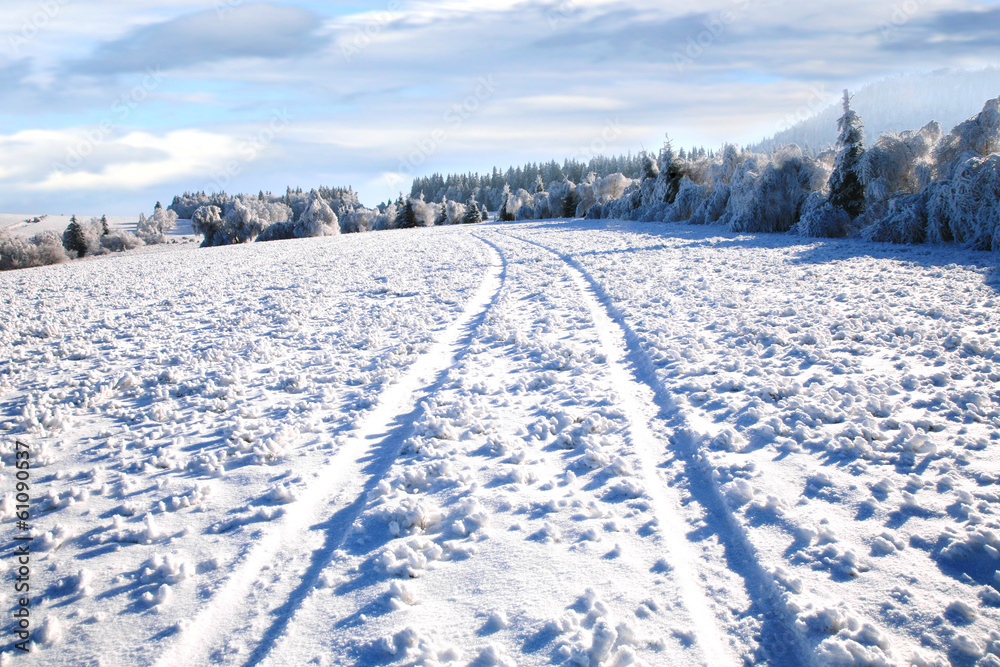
x=637, y=382
x=357, y=465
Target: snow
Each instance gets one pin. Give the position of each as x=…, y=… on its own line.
x=572, y=442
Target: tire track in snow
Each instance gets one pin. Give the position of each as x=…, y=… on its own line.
x=636, y=384
x=355, y=468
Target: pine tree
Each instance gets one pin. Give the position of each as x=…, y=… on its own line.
x=671, y=172
x=846, y=190
x=74, y=240
x=570, y=203
x=442, y=218
x=472, y=213
x=105, y=230
x=407, y=217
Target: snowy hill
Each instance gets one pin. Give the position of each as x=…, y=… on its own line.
x=571, y=442
x=896, y=104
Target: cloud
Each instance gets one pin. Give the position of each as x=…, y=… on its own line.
x=57, y=161
x=246, y=31
x=953, y=32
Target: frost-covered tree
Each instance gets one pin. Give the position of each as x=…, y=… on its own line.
x=979, y=135
x=154, y=229
x=207, y=221
x=649, y=168
x=846, y=190
x=454, y=212
x=317, y=220
x=895, y=165
x=105, y=230
x=359, y=220
x=770, y=200
x=74, y=238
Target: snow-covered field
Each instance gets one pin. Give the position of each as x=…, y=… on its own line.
x=592, y=443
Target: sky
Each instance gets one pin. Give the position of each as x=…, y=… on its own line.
x=109, y=106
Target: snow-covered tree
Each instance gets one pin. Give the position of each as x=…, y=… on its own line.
x=207, y=221
x=359, y=220
x=442, y=216
x=897, y=164
x=105, y=230
x=74, y=238
x=406, y=217
x=317, y=220
x=454, y=212
x=472, y=213
x=846, y=190
x=154, y=229
x=508, y=208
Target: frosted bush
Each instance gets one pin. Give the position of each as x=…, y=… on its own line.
x=820, y=219
x=154, y=229
x=17, y=252
x=905, y=222
x=772, y=201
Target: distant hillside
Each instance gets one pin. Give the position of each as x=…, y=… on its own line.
x=895, y=104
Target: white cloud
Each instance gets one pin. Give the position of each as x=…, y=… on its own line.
x=40, y=159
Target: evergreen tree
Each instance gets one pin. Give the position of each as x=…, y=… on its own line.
x=442, y=218
x=571, y=201
x=846, y=190
x=407, y=216
x=74, y=239
x=472, y=213
x=105, y=230
x=671, y=172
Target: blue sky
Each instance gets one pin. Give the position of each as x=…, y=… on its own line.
x=109, y=106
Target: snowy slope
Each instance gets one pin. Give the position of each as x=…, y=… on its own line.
x=592, y=443
x=25, y=225
x=906, y=102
